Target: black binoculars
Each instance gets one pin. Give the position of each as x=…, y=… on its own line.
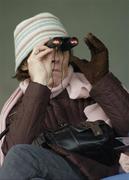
x=62, y=43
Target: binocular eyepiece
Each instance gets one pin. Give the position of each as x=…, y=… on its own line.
x=62, y=43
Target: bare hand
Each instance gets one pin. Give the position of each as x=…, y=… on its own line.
x=39, y=64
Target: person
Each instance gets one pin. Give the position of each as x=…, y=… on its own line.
x=57, y=88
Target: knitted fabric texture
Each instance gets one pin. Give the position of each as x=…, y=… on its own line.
x=33, y=31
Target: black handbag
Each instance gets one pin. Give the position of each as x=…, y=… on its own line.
x=86, y=137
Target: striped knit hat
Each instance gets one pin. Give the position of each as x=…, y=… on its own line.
x=30, y=32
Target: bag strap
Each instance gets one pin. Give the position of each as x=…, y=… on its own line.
x=4, y=132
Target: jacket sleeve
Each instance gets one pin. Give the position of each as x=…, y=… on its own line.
x=114, y=100
x=28, y=120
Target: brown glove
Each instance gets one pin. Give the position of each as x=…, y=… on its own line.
x=98, y=66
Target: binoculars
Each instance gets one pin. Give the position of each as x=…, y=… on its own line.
x=62, y=43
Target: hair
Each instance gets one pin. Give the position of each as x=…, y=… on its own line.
x=21, y=75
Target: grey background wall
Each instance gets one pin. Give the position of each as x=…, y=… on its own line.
x=108, y=19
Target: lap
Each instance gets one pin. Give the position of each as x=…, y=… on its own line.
x=45, y=163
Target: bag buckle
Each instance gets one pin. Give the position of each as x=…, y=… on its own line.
x=94, y=126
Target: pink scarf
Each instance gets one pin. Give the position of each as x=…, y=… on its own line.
x=77, y=86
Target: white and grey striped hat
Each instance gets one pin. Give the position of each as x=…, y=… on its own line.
x=33, y=31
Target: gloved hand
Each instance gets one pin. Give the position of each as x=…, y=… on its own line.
x=98, y=66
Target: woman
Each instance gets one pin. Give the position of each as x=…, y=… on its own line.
x=51, y=94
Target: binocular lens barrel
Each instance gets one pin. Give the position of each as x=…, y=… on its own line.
x=62, y=43
x=73, y=41
x=57, y=41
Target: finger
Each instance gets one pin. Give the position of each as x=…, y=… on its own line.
x=39, y=49
x=44, y=52
x=46, y=40
x=94, y=43
x=43, y=43
x=94, y=40
x=41, y=46
x=90, y=46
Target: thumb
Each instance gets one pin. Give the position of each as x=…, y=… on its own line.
x=94, y=44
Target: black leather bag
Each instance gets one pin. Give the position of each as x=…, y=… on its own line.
x=86, y=137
